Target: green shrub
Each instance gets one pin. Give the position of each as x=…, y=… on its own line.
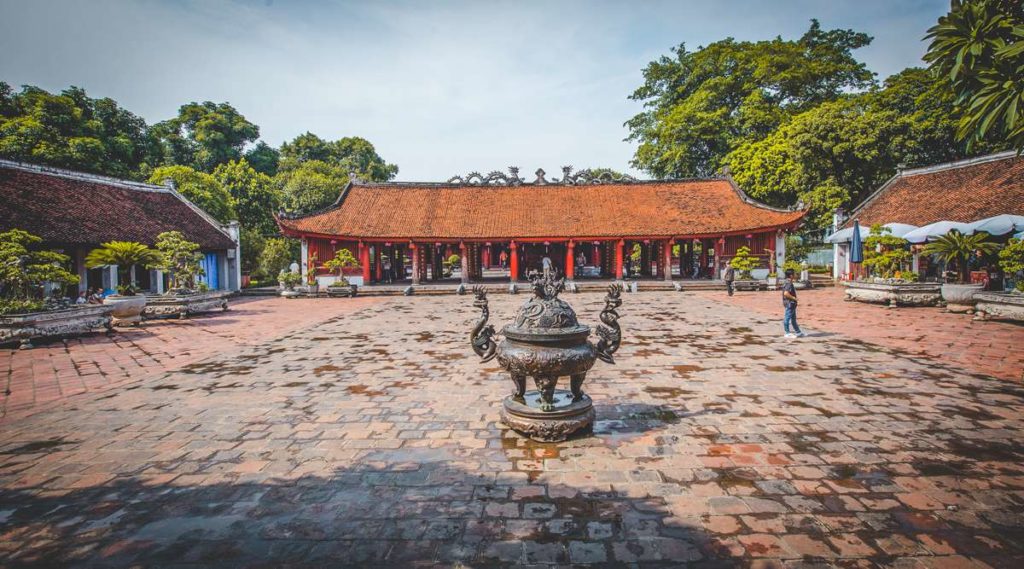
x=24, y=271
x=744, y=262
x=885, y=254
x=20, y=305
x=1011, y=260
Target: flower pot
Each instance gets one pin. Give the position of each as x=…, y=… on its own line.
x=1000, y=305
x=127, y=309
x=960, y=297
x=313, y=289
x=893, y=294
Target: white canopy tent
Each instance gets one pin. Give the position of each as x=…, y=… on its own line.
x=938, y=229
x=846, y=235
x=999, y=224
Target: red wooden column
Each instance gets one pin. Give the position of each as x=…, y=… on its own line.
x=364, y=260
x=596, y=260
x=513, y=262
x=414, y=252
x=570, y=261
x=702, y=270
x=666, y=262
x=618, y=258
x=464, y=259
x=719, y=253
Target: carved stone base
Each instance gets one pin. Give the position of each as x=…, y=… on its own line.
x=567, y=418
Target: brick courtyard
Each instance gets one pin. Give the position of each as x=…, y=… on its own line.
x=333, y=432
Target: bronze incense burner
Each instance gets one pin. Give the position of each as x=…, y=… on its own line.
x=545, y=342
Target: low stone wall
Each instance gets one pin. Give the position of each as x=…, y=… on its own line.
x=24, y=328
x=1000, y=305
x=906, y=294
x=183, y=306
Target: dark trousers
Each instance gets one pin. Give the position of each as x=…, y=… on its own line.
x=728, y=287
x=790, y=318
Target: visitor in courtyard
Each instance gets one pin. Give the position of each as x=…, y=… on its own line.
x=96, y=297
x=789, y=302
x=503, y=259
x=83, y=298
x=387, y=269
x=730, y=276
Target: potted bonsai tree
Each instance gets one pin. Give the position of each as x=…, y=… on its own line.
x=342, y=260
x=955, y=248
x=743, y=262
x=1008, y=305
x=312, y=285
x=885, y=254
x=128, y=303
x=179, y=258
x=289, y=281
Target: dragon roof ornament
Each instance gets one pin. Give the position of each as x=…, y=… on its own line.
x=581, y=178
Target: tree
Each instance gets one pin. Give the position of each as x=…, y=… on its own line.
x=1011, y=260
x=979, y=47
x=349, y=154
x=180, y=258
x=343, y=259
x=200, y=188
x=253, y=195
x=263, y=158
x=310, y=186
x=24, y=270
x=744, y=262
x=700, y=105
x=125, y=255
x=956, y=248
x=885, y=254
x=72, y=130
x=277, y=255
x=204, y=135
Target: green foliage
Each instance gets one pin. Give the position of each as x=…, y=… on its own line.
x=72, y=130
x=200, y=188
x=1011, y=260
x=979, y=48
x=796, y=249
x=252, y=243
x=349, y=154
x=180, y=258
x=636, y=253
x=20, y=305
x=289, y=279
x=453, y=260
x=310, y=186
x=24, y=270
x=343, y=258
x=794, y=265
x=204, y=135
x=744, y=262
x=956, y=248
x=253, y=195
x=701, y=105
x=892, y=256
x=277, y=255
x=125, y=255
x=263, y=158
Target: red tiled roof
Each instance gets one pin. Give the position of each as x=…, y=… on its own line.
x=442, y=211
x=960, y=191
x=70, y=208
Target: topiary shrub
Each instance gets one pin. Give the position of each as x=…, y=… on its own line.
x=744, y=262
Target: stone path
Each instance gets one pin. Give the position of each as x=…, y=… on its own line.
x=993, y=348
x=49, y=373
x=371, y=439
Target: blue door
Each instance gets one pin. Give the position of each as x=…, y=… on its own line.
x=210, y=266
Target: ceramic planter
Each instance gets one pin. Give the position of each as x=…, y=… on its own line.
x=24, y=328
x=1000, y=305
x=127, y=309
x=894, y=294
x=342, y=291
x=960, y=297
x=185, y=305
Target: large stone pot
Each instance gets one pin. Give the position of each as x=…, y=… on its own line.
x=1000, y=305
x=894, y=294
x=547, y=342
x=185, y=305
x=127, y=309
x=960, y=297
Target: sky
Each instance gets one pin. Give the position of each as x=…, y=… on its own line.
x=439, y=88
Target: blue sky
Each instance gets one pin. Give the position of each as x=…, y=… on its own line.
x=441, y=88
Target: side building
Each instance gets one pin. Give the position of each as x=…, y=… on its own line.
x=74, y=212
x=502, y=228
x=964, y=191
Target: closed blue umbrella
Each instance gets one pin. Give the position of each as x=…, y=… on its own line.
x=856, y=247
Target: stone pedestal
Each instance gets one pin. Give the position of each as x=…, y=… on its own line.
x=566, y=418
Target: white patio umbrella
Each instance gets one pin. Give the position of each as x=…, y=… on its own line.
x=937, y=229
x=845, y=235
x=999, y=224
x=1019, y=235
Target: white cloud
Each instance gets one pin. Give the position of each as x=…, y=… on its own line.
x=439, y=88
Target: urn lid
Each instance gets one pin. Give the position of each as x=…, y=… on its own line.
x=544, y=316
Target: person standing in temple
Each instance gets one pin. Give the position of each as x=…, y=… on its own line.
x=503, y=259
x=730, y=276
x=789, y=303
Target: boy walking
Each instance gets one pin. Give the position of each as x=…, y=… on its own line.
x=789, y=304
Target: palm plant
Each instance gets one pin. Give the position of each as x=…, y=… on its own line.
x=125, y=255
x=955, y=247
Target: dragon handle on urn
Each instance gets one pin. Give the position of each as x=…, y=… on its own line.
x=482, y=336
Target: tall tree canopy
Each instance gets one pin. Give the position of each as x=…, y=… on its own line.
x=204, y=135
x=979, y=47
x=72, y=130
x=310, y=186
x=200, y=188
x=263, y=158
x=701, y=105
x=350, y=154
x=253, y=195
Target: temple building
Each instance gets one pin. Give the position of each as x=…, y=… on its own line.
x=74, y=212
x=502, y=228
